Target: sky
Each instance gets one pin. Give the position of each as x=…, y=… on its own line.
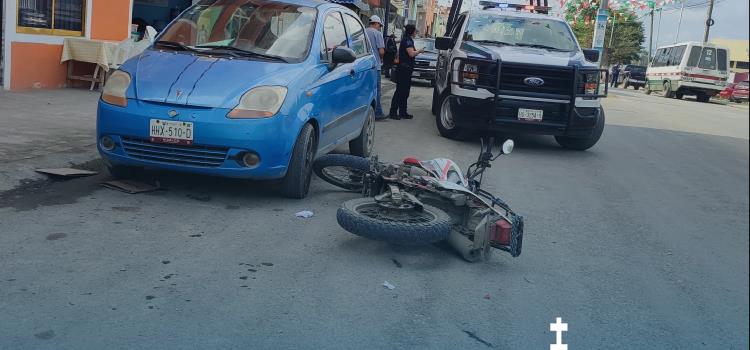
x=731, y=18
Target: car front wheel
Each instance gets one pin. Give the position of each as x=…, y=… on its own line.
x=296, y=183
x=582, y=144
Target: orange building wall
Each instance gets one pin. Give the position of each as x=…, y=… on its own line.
x=37, y=66
x=111, y=20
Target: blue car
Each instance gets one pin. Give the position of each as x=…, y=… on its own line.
x=245, y=89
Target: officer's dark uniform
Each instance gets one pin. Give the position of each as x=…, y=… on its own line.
x=403, y=79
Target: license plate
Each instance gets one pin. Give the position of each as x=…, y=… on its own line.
x=637, y=81
x=174, y=132
x=534, y=115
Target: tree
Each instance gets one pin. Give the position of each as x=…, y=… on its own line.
x=628, y=36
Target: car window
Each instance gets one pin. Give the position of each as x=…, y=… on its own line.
x=695, y=56
x=357, y=36
x=334, y=32
x=708, y=58
x=520, y=31
x=721, y=58
x=675, y=58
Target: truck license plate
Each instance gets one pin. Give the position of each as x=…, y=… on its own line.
x=534, y=115
x=174, y=132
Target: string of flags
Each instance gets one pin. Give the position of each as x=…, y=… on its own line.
x=585, y=10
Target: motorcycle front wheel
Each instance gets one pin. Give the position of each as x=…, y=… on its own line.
x=342, y=170
x=365, y=217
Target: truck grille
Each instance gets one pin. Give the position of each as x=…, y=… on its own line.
x=557, y=80
x=194, y=155
x=421, y=63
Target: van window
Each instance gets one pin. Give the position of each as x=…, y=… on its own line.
x=721, y=57
x=675, y=58
x=708, y=58
x=657, y=58
x=695, y=56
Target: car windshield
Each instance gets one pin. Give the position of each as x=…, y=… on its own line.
x=637, y=69
x=427, y=44
x=518, y=31
x=247, y=27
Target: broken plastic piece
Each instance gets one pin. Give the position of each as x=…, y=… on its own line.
x=305, y=214
x=130, y=186
x=389, y=285
x=66, y=172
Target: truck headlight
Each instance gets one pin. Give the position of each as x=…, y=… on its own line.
x=469, y=73
x=259, y=102
x=115, y=89
x=590, y=83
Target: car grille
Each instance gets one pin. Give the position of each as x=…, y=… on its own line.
x=557, y=80
x=421, y=63
x=193, y=155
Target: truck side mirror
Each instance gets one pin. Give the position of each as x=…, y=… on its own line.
x=591, y=55
x=443, y=42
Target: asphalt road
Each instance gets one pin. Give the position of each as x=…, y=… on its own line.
x=639, y=243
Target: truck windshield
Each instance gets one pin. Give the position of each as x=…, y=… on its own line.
x=251, y=27
x=518, y=31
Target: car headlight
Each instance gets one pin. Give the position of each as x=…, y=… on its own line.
x=469, y=73
x=116, y=88
x=259, y=102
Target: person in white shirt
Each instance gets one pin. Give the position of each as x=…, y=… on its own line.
x=378, y=49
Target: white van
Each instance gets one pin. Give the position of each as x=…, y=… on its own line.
x=692, y=68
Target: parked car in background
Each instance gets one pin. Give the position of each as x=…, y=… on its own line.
x=740, y=92
x=426, y=62
x=632, y=75
x=223, y=92
x=727, y=92
x=692, y=68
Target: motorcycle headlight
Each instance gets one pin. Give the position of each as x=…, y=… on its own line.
x=115, y=89
x=259, y=102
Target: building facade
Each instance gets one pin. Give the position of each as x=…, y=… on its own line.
x=739, y=56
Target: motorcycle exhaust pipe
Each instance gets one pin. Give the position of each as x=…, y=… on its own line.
x=465, y=247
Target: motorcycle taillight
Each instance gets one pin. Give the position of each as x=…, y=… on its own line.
x=500, y=232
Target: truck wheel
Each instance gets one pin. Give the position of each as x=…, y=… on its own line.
x=626, y=84
x=667, y=92
x=365, y=217
x=582, y=144
x=636, y=87
x=362, y=146
x=435, y=99
x=703, y=98
x=647, y=89
x=679, y=95
x=296, y=183
x=445, y=119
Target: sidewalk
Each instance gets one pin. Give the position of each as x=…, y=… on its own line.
x=45, y=128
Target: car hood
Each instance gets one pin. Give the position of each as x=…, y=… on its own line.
x=186, y=79
x=528, y=55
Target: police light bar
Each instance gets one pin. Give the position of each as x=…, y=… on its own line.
x=487, y=4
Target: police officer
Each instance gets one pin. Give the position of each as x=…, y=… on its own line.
x=406, y=54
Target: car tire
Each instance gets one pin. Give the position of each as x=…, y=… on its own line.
x=703, y=98
x=582, y=144
x=296, y=183
x=647, y=89
x=363, y=145
x=679, y=95
x=444, y=119
x=122, y=172
x=626, y=84
x=435, y=99
x=667, y=92
x=636, y=87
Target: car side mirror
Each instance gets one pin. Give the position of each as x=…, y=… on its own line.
x=443, y=42
x=591, y=55
x=342, y=55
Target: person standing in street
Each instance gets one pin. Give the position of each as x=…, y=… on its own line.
x=391, y=49
x=378, y=49
x=406, y=54
x=615, y=74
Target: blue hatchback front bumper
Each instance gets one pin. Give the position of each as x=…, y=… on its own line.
x=218, y=142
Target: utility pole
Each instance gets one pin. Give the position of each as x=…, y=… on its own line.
x=682, y=9
x=600, y=29
x=658, y=28
x=709, y=21
x=651, y=36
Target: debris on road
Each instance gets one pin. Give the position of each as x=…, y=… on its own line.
x=487, y=296
x=66, y=172
x=388, y=285
x=398, y=264
x=305, y=214
x=131, y=186
x=473, y=335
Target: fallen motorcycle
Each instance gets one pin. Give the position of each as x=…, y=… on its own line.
x=422, y=202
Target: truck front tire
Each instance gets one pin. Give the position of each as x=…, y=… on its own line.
x=445, y=119
x=582, y=144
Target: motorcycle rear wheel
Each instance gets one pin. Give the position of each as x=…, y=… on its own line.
x=365, y=217
x=342, y=170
